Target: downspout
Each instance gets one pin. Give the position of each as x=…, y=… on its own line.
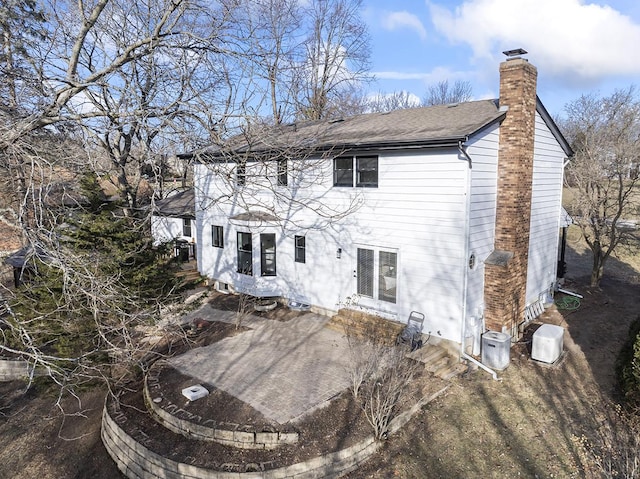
x=464, y=153
x=465, y=276
x=480, y=365
x=465, y=265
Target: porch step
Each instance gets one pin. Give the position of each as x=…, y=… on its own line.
x=189, y=276
x=437, y=360
x=363, y=325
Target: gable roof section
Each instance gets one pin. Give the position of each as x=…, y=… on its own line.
x=440, y=125
x=179, y=205
x=434, y=126
x=551, y=124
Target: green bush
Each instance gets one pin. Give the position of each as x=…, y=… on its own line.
x=628, y=365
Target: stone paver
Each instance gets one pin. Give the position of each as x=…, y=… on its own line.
x=282, y=369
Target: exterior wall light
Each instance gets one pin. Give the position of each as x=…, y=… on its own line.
x=339, y=253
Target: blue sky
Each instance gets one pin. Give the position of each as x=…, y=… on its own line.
x=578, y=46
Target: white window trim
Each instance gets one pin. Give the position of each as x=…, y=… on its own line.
x=374, y=302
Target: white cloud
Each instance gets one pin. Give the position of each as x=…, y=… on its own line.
x=432, y=77
x=567, y=38
x=400, y=20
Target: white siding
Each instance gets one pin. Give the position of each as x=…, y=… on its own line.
x=546, y=201
x=418, y=211
x=165, y=228
x=482, y=214
x=425, y=202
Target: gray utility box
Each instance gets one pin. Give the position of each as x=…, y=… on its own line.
x=495, y=349
x=547, y=343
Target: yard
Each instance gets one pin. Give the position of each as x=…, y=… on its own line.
x=528, y=425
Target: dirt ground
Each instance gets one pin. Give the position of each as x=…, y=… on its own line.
x=528, y=424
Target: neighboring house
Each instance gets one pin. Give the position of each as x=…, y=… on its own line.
x=452, y=211
x=173, y=219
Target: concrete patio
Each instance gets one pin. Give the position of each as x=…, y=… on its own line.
x=281, y=369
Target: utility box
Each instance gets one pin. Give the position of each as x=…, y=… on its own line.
x=495, y=349
x=547, y=343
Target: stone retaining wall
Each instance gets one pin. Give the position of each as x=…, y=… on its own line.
x=196, y=427
x=137, y=462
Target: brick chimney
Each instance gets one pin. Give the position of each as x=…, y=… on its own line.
x=506, y=268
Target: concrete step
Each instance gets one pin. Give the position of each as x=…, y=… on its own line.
x=437, y=360
x=189, y=276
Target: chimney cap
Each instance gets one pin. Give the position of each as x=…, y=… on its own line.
x=515, y=52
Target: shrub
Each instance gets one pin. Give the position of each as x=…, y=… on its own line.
x=628, y=365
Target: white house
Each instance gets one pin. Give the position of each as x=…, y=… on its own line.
x=452, y=211
x=173, y=219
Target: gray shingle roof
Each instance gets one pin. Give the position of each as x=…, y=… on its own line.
x=179, y=205
x=427, y=126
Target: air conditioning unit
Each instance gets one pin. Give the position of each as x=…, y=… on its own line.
x=547, y=343
x=495, y=350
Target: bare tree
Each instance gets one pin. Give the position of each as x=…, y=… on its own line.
x=398, y=100
x=335, y=59
x=272, y=175
x=21, y=24
x=128, y=82
x=386, y=388
x=442, y=93
x=273, y=35
x=603, y=174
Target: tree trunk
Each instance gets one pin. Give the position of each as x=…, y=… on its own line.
x=597, y=270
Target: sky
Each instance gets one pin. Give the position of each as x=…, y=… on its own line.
x=579, y=47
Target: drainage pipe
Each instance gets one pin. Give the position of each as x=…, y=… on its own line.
x=570, y=293
x=480, y=365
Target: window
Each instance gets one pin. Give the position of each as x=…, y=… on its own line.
x=365, y=272
x=384, y=282
x=241, y=174
x=300, y=249
x=282, y=173
x=245, y=254
x=268, y=254
x=387, y=269
x=186, y=227
x=343, y=171
x=366, y=171
x=217, y=237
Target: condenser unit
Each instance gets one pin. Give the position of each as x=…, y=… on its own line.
x=495, y=349
x=547, y=343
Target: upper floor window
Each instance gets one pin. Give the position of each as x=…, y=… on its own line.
x=186, y=227
x=343, y=171
x=241, y=174
x=217, y=237
x=367, y=171
x=360, y=171
x=282, y=172
x=300, y=249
